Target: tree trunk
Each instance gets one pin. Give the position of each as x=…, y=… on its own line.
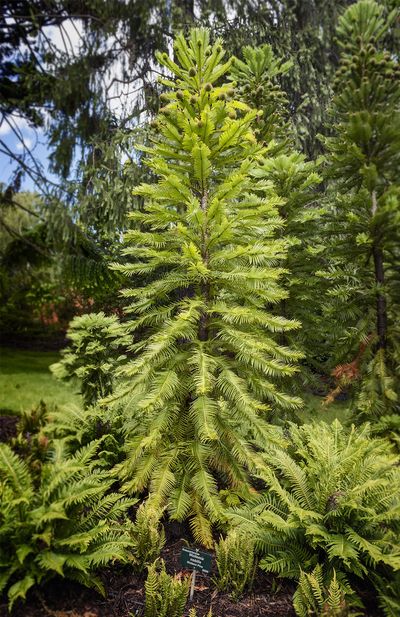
x=188, y=10
x=381, y=308
x=203, y=326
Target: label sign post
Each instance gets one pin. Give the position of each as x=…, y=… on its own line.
x=197, y=561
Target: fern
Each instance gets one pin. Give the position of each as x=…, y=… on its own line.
x=320, y=597
x=147, y=535
x=31, y=441
x=333, y=499
x=68, y=524
x=77, y=427
x=165, y=596
x=236, y=563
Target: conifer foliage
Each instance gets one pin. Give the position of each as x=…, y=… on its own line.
x=204, y=378
x=296, y=181
x=256, y=77
x=94, y=353
x=364, y=230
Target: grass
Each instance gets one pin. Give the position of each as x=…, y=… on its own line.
x=314, y=409
x=25, y=379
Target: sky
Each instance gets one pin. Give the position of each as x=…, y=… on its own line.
x=33, y=139
x=17, y=132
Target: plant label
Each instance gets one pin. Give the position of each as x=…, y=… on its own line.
x=193, y=559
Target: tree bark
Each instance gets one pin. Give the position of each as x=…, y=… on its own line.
x=381, y=307
x=203, y=326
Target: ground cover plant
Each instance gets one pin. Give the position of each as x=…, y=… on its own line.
x=64, y=521
x=240, y=394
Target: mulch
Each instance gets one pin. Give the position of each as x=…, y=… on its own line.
x=8, y=427
x=125, y=596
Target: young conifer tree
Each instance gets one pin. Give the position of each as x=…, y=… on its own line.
x=364, y=230
x=204, y=377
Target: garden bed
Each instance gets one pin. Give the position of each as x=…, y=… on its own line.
x=125, y=596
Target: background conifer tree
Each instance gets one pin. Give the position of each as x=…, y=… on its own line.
x=257, y=77
x=204, y=377
x=364, y=225
x=296, y=181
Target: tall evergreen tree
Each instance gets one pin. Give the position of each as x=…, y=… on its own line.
x=203, y=380
x=363, y=163
x=296, y=181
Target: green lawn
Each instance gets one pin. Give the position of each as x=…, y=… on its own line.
x=25, y=379
x=314, y=409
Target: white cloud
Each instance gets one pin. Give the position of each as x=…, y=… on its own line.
x=27, y=143
x=4, y=128
x=68, y=37
x=18, y=123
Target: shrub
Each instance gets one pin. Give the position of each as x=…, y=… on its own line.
x=334, y=499
x=77, y=427
x=67, y=524
x=34, y=420
x=31, y=442
x=93, y=354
